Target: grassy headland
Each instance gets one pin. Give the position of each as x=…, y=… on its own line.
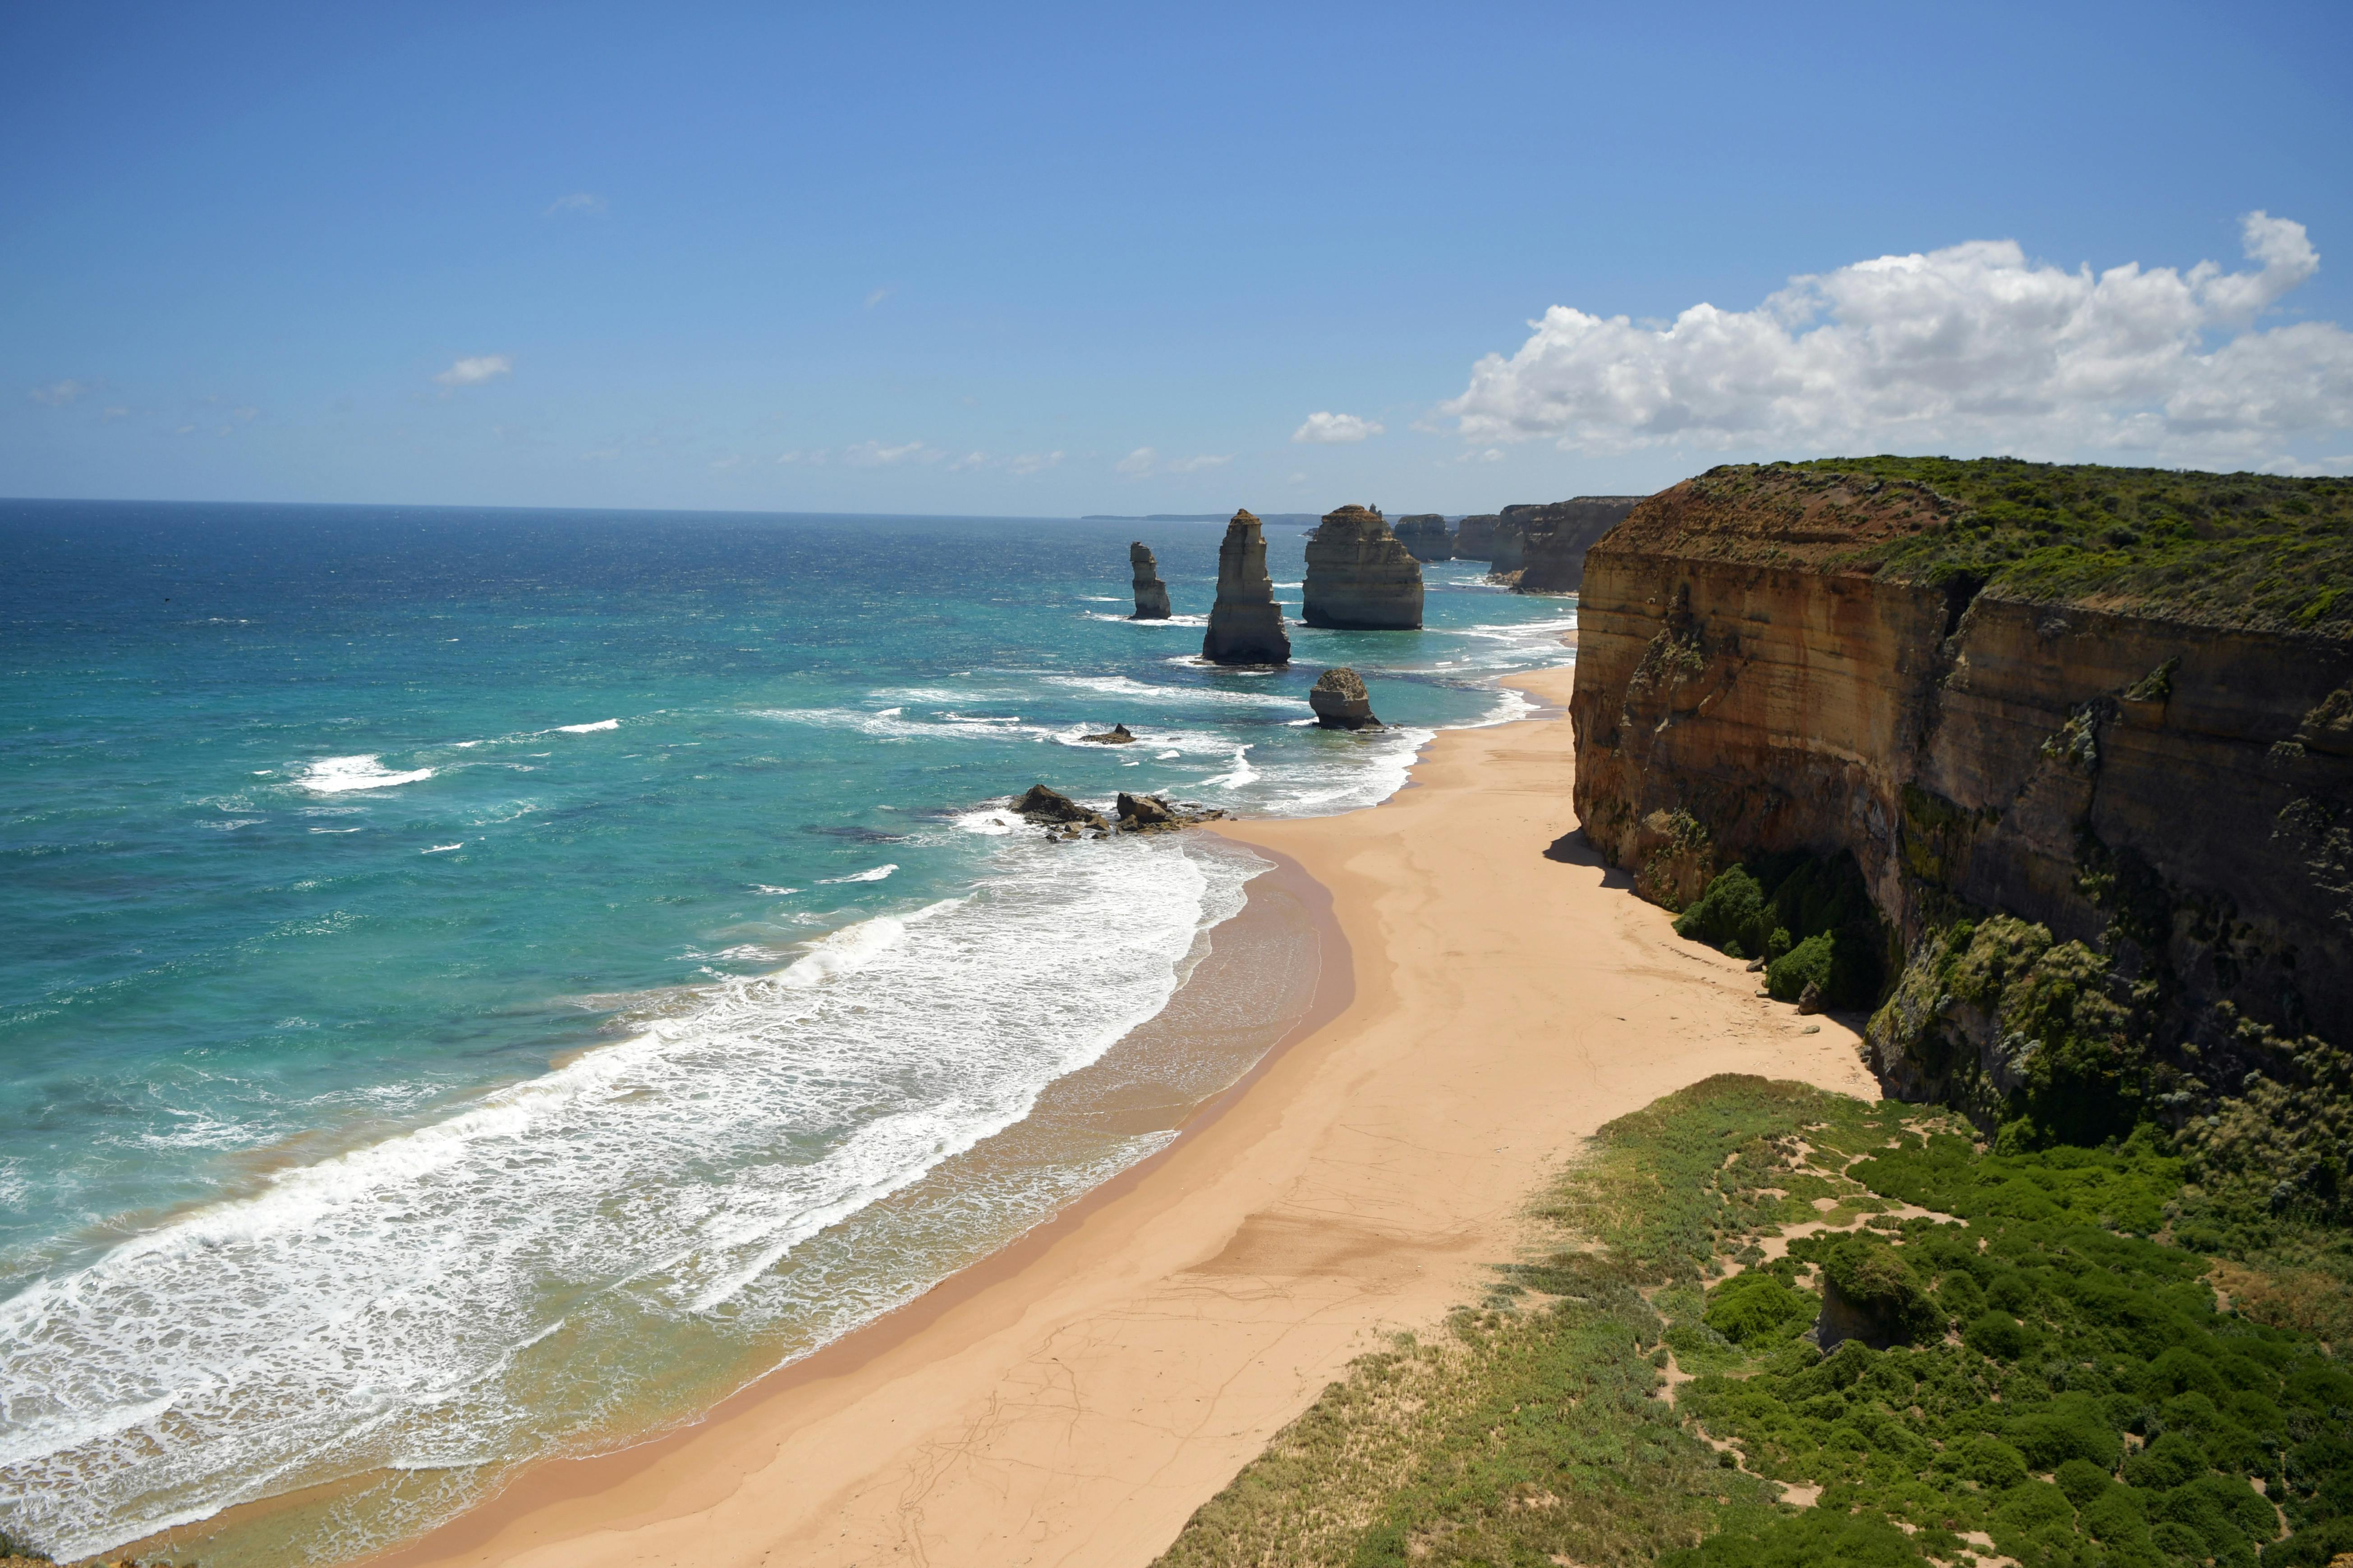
x=2065, y=1385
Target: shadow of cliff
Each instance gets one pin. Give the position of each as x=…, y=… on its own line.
x=1572, y=849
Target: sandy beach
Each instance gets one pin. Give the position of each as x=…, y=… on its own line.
x=1484, y=1005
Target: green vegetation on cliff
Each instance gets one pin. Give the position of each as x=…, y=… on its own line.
x=2063, y=1386
x=2253, y=550
x=1810, y=920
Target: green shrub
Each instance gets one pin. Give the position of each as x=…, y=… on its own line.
x=2172, y=1460
x=1810, y=919
x=1998, y=1336
x=1752, y=1309
x=1871, y=1276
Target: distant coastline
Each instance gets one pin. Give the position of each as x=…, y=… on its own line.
x=1284, y=519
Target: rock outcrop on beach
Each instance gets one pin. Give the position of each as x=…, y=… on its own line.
x=1245, y=623
x=2087, y=732
x=1554, y=540
x=1359, y=578
x=1426, y=536
x=1117, y=735
x=1341, y=701
x=1051, y=809
x=1151, y=592
x=1474, y=537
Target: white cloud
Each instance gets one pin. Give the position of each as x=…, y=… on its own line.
x=813, y=459
x=1334, y=429
x=475, y=371
x=877, y=297
x=1969, y=347
x=117, y=412
x=875, y=455
x=57, y=393
x=584, y=204
x=1144, y=460
x=1033, y=462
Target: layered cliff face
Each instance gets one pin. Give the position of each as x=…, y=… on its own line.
x=1474, y=537
x=1556, y=538
x=1506, y=542
x=1359, y=578
x=1426, y=536
x=1245, y=623
x=2132, y=742
x=1151, y=592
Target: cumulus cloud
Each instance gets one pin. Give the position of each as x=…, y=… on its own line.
x=57, y=393
x=1969, y=347
x=1021, y=463
x=475, y=371
x=579, y=204
x=875, y=455
x=1334, y=429
x=1144, y=460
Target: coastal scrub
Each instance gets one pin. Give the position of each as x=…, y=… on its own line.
x=2065, y=1385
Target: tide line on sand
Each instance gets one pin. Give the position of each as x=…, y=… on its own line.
x=1074, y=1399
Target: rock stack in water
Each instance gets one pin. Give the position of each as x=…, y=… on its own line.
x=1425, y=536
x=1341, y=701
x=1359, y=578
x=1474, y=537
x=1504, y=555
x=1151, y=592
x=1245, y=623
x=1554, y=538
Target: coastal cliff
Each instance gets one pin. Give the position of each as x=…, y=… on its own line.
x=1359, y=578
x=1554, y=538
x=1474, y=537
x=1245, y=623
x=1151, y=592
x=2088, y=734
x=1426, y=536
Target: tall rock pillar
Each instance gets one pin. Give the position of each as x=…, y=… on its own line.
x=1151, y=592
x=1245, y=625
x=1359, y=578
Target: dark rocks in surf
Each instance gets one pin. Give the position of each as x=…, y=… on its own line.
x=1151, y=592
x=1117, y=735
x=1341, y=701
x=1245, y=623
x=1157, y=813
x=1426, y=536
x=1052, y=808
x=1359, y=578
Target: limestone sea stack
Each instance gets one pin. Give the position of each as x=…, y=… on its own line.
x=1474, y=537
x=1245, y=623
x=1151, y=592
x=1341, y=701
x=1554, y=538
x=1359, y=578
x=1425, y=537
x=1503, y=547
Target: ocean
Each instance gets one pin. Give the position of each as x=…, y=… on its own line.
x=487, y=984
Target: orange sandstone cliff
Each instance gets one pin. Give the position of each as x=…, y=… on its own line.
x=1998, y=713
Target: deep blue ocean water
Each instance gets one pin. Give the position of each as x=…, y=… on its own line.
x=336, y=838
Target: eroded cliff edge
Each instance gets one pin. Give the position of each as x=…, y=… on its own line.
x=2111, y=706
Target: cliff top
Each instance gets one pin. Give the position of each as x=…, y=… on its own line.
x=2244, y=550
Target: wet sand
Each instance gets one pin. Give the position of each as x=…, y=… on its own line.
x=1486, y=996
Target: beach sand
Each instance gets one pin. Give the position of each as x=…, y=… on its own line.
x=1488, y=995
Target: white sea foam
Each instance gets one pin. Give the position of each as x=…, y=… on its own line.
x=872, y=874
x=590, y=729
x=995, y=822
x=334, y=775
x=1243, y=773
x=443, y=849
x=1166, y=756
x=374, y=1310
x=773, y=892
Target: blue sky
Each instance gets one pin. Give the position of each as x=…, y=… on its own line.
x=1046, y=260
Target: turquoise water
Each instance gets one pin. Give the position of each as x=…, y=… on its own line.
x=336, y=838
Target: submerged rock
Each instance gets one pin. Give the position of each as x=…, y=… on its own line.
x=1359, y=578
x=1151, y=592
x=1341, y=701
x=1117, y=735
x=1245, y=623
x=1426, y=536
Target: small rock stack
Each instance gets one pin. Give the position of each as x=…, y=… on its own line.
x=1359, y=578
x=1425, y=537
x=1245, y=623
x=1341, y=701
x=1151, y=592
